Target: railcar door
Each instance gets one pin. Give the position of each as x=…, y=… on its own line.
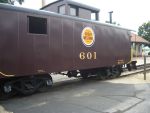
x=33, y=43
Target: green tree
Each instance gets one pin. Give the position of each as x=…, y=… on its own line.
x=11, y=1
x=3, y=1
x=20, y=1
x=144, y=30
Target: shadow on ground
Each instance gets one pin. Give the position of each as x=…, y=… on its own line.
x=78, y=96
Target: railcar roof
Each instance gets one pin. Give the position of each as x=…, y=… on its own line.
x=74, y=3
x=48, y=13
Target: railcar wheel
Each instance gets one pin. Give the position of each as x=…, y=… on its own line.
x=84, y=74
x=30, y=85
x=103, y=74
x=115, y=72
x=6, y=91
x=48, y=82
x=72, y=73
x=26, y=86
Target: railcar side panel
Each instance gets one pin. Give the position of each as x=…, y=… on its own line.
x=60, y=48
x=26, y=47
x=56, y=43
x=68, y=44
x=9, y=42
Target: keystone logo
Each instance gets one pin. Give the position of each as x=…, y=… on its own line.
x=88, y=36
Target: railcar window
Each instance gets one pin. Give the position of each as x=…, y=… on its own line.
x=73, y=11
x=61, y=9
x=93, y=16
x=37, y=25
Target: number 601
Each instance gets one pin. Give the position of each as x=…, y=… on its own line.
x=87, y=55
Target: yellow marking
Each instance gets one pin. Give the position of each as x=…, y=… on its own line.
x=40, y=71
x=131, y=56
x=88, y=36
x=95, y=55
x=120, y=61
x=82, y=55
x=88, y=55
x=6, y=75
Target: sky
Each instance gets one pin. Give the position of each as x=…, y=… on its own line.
x=128, y=13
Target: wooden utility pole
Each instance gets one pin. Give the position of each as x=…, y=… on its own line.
x=144, y=67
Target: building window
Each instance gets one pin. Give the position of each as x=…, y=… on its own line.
x=37, y=25
x=93, y=16
x=73, y=11
x=62, y=9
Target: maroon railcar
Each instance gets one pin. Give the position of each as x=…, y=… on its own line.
x=34, y=42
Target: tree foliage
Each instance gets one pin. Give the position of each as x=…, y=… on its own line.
x=11, y=1
x=144, y=30
x=20, y=1
x=3, y=1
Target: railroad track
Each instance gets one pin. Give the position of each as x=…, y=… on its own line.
x=140, y=69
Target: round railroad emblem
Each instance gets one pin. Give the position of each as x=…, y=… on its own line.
x=88, y=36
